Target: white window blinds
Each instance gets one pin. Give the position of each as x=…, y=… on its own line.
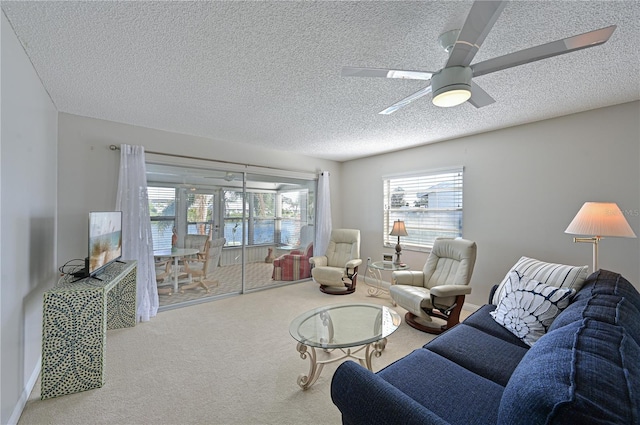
x=162, y=209
x=429, y=203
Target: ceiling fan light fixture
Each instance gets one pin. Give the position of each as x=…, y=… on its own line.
x=452, y=97
x=451, y=86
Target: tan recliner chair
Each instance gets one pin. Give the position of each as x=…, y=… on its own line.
x=441, y=285
x=336, y=271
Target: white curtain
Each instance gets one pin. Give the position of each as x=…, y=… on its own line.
x=137, y=243
x=323, y=215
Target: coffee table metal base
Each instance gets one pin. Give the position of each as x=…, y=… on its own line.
x=315, y=367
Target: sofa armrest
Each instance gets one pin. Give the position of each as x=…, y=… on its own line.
x=450, y=290
x=319, y=261
x=365, y=398
x=408, y=277
x=352, y=264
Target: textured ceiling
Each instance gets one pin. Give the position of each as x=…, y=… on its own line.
x=268, y=73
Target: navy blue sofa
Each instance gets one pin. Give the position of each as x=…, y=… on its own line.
x=584, y=370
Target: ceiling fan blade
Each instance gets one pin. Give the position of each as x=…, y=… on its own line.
x=555, y=48
x=482, y=16
x=350, y=71
x=407, y=100
x=479, y=97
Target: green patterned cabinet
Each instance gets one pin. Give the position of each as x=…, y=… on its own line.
x=75, y=320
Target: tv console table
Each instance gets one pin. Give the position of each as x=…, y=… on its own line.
x=75, y=319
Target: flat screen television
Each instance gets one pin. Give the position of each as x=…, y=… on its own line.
x=105, y=240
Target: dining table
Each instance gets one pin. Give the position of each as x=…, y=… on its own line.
x=176, y=254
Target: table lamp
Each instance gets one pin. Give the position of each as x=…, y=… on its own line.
x=599, y=219
x=398, y=230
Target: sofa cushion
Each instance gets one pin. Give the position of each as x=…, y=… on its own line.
x=445, y=388
x=559, y=275
x=607, y=282
x=479, y=352
x=604, y=308
x=607, y=297
x=482, y=320
x=528, y=307
x=586, y=372
x=365, y=398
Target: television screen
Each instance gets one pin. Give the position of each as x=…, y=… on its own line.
x=105, y=239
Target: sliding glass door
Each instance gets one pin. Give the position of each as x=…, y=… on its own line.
x=263, y=223
x=280, y=221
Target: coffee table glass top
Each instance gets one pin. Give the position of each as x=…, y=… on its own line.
x=344, y=325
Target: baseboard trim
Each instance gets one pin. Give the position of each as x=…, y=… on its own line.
x=26, y=392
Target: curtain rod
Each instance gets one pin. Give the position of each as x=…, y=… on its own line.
x=117, y=148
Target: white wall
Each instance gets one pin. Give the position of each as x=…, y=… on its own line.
x=523, y=185
x=88, y=177
x=28, y=221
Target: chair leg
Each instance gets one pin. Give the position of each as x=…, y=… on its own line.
x=332, y=290
x=452, y=319
x=412, y=321
x=165, y=291
x=194, y=284
x=349, y=283
x=452, y=315
x=211, y=282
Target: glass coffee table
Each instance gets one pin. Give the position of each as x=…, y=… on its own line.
x=349, y=328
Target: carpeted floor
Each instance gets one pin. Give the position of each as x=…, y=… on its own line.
x=229, y=361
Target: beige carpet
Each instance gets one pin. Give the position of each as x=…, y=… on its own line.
x=229, y=361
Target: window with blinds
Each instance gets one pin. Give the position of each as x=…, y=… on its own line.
x=199, y=213
x=162, y=209
x=429, y=203
x=233, y=217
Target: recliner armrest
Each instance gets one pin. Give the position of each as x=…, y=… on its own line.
x=408, y=277
x=353, y=263
x=319, y=261
x=450, y=290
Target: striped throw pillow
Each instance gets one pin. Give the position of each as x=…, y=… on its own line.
x=558, y=275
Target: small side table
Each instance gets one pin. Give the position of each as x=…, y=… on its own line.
x=373, y=276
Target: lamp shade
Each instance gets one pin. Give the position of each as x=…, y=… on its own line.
x=398, y=229
x=600, y=219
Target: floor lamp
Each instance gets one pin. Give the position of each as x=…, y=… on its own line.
x=599, y=219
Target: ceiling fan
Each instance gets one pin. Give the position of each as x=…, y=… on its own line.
x=453, y=84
